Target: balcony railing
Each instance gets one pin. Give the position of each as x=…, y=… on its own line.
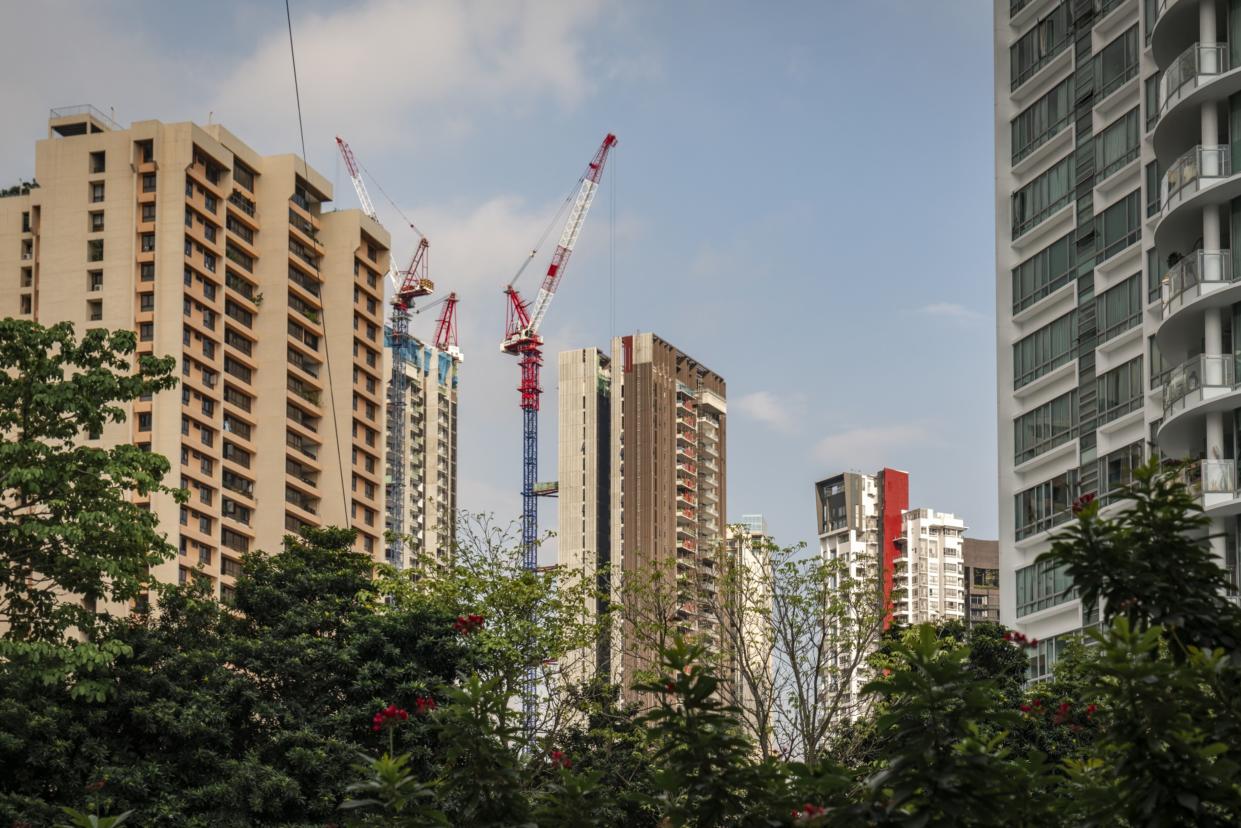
x=1187, y=381
x=1193, y=275
x=1198, y=165
x=242, y=203
x=1195, y=65
x=1210, y=477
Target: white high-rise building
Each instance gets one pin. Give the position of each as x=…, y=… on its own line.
x=1118, y=299
x=929, y=576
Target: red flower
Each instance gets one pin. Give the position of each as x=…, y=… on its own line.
x=389, y=715
x=423, y=704
x=1033, y=642
x=1091, y=709
x=466, y=624
x=1025, y=708
x=559, y=760
x=808, y=811
x=670, y=687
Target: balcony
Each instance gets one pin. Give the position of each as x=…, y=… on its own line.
x=1210, y=477
x=1197, y=379
x=1198, y=168
x=1199, y=273
x=1195, y=66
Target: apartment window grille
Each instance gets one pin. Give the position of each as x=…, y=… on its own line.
x=1045, y=350
x=1045, y=505
x=148, y=182
x=94, y=280
x=1120, y=390
x=1039, y=46
x=94, y=250
x=96, y=192
x=148, y=242
x=1042, y=120
x=1117, y=63
x=97, y=162
x=1043, y=273
x=1117, y=145
x=148, y=212
x=1035, y=202
x=96, y=221
x=146, y=302
x=1119, y=309
x=1042, y=429
x=1119, y=226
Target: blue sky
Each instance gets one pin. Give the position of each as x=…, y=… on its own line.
x=802, y=197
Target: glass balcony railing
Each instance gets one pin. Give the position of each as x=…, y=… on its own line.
x=1194, y=275
x=1187, y=381
x=1210, y=477
x=1189, y=172
x=1194, y=67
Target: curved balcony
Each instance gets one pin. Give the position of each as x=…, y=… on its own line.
x=1197, y=386
x=1197, y=169
x=1175, y=25
x=1203, y=279
x=1201, y=178
x=1194, y=67
x=1200, y=76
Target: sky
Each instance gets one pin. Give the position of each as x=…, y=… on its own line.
x=801, y=199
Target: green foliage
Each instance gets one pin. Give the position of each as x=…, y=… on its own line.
x=68, y=522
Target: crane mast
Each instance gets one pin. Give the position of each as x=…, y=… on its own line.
x=521, y=338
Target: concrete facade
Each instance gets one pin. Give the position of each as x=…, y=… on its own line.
x=226, y=260
x=929, y=582
x=982, y=580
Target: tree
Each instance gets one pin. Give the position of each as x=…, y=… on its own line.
x=533, y=620
x=69, y=523
x=241, y=715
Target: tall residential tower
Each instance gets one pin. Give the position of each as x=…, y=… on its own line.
x=642, y=475
x=1117, y=126
x=273, y=308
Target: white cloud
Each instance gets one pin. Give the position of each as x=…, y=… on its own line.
x=870, y=447
x=951, y=310
x=767, y=408
x=389, y=73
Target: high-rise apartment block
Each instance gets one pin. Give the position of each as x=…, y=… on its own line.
x=273, y=308
x=928, y=577
x=1118, y=194
x=429, y=452
x=751, y=649
x=642, y=471
x=982, y=580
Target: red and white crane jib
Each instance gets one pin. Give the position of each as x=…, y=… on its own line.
x=355, y=175
x=572, y=229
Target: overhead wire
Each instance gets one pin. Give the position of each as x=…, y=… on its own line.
x=564, y=205
x=612, y=255
x=327, y=351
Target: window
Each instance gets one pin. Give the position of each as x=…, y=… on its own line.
x=204, y=524
x=1041, y=586
x=96, y=221
x=229, y=566
x=1037, y=47
x=94, y=280
x=1116, y=63
x=243, y=176
x=1043, y=119
x=97, y=162
x=148, y=182
x=1119, y=226
x=1119, y=308
x=209, y=261
x=148, y=212
x=1051, y=424
x=1045, y=505
x=94, y=310
x=1154, y=276
x=146, y=301
x=146, y=150
x=210, y=202
x=1116, y=469
x=1045, y=350
x=96, y=192
x=1120, y=390
x=1043, y=196
x=148, y=242
x=144, y=421
x=1043, y=273
x=1151, y=101
x=1117, y=145
x=94, y=250
x=1158, y=369
x=1152, y=188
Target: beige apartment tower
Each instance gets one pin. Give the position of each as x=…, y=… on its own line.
x=273, y=308
x=642, y=476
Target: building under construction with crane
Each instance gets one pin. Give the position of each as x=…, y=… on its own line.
x=420, y=445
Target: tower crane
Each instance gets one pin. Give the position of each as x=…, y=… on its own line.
x=522, y=339
x=410, y=283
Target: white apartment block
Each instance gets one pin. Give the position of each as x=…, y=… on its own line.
x=929, y=577
x=1118, y=299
